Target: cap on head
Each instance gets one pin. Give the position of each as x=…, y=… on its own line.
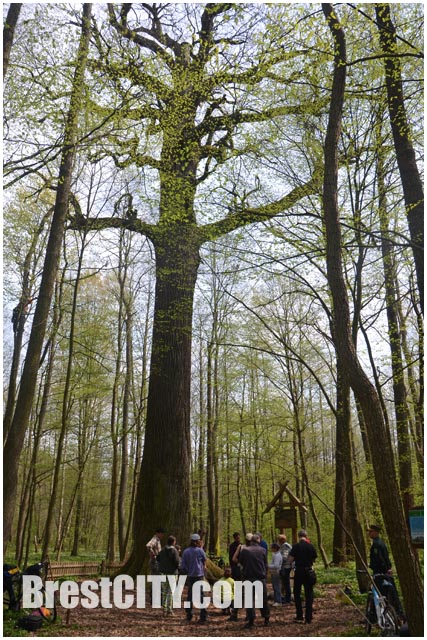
x=194, y=537
x=302, y=533
x=374, y=527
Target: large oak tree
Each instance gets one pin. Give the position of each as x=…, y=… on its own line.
x=197, y=106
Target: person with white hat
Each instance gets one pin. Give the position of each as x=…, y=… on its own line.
x=193, y=566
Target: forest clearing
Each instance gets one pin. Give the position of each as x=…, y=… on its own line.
x=214, y=297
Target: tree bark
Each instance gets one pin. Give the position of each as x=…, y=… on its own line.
x=16, y=436
x=164, y=494
x=9, y=32
x=382, y=456
x=27, y=276
x=395, y=340
x=411, y=180
x=67, y=402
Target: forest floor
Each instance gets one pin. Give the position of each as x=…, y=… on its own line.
x=332, y=617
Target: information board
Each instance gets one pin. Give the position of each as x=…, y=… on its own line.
x=416, y=526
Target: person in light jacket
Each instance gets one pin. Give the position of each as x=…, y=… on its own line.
x=275, y=565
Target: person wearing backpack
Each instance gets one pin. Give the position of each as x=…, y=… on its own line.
x=303, y=554
x=285, y=571
x=168, y=563
x=275, y=565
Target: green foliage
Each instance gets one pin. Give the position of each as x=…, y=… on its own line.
x=209, y=136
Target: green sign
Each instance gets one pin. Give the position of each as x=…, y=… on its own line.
x=416, y=525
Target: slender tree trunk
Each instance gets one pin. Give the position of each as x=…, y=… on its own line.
x=417, y=398
x=124, y=468
x=66, y=408
x=140, y=413
x=19, y=425
x=27, y=277
x=24, y=519
x=382, y=455
x=212, y=480
x=339, y=549
x=111, y=546
x=399, y=387
x=411, y=180
x=9, y=32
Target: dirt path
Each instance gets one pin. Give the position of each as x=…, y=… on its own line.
x=331, y=617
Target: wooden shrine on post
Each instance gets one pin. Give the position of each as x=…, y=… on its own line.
x=285, y=514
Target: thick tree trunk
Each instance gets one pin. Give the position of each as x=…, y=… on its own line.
x=411, y=180
x=164, y=496
x=382, y=455
x=16, y=436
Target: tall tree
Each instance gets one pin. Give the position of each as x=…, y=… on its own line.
x=390, y=279
x=9, y=32
x=387, y=486
x=191, y=145
x=16, y=435
x=410, y=176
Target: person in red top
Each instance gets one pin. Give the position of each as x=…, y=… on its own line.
x=303, y=554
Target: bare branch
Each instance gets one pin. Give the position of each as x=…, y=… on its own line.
x=240, y=218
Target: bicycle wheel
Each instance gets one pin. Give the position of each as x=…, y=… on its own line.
x=369, y=613
x=391, y=622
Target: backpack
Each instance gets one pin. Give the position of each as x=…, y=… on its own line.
x=32, y=622
x=285, y=558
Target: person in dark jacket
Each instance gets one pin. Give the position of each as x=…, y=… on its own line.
x=235, y=569
x=303, y=554
x=254, y=562
x=379, y=560
x=168, y=562
x=380, y=563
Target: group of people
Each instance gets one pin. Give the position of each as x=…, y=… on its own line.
x=248, y=562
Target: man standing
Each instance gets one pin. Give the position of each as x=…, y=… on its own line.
x=379, y=560
x=285, y=571
x=193, y=566
x=235, y=569
x=254, y=562
x=154, y=547
x=380, y=563
x=303, y=554
x=262, y=542
x=168, y=563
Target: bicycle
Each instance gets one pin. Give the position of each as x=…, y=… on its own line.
x=379, y=611
x=13, y=588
